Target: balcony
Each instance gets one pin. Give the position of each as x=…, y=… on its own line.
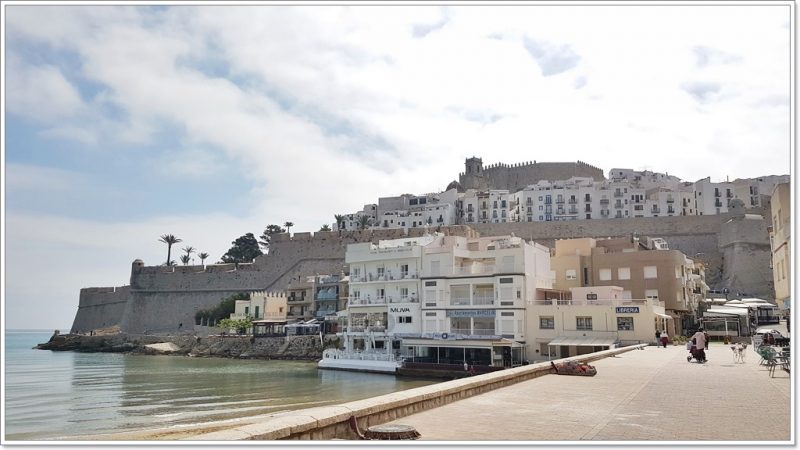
x=560, y=200
x=357, y=301
x=604, y=212
x=475, y=332
x=670, y=200
x=473, y=269
x=404, y=299
x=573, y=211
x=618, y=205
x=327, y=296
x=604, y=201
x=483, y=299
x=718, y=204
x=572, y=201
x=459, y=301
x=655, y=210
x=618, y=194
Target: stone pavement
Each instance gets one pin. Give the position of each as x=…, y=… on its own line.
x=648, y=395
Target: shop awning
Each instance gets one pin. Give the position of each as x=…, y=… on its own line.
x=583, y=341
x=664, y=316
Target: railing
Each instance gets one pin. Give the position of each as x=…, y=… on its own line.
x=459, y=301
x=604, y=201
x=483, y=299
x=366, y=301
x=327, y=296
x=670, y=200
x=404, y=299
x=656, y=210
x=473, y=269
x=618, y=194
x=335, y=353
x=618, y=205
x=572, y=201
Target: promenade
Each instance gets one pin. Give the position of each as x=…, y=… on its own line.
x=645, y=395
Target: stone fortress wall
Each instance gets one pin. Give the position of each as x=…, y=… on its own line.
x=734, y=248
x=517, y=176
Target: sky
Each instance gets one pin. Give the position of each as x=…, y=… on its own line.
x=124, y=123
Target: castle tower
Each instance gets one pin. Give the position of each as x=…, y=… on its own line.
x=473, y=177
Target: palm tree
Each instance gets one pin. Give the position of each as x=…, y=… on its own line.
x=288, y=225
x=203, y=257
x=169, y=240
x=325, y=227
x=339, y=220
x=364, y=222
x=185, y=259
x=189, y=250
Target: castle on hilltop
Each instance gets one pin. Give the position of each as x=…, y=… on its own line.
x=514, y=177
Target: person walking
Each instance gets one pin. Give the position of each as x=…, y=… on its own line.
x=664, y=338
x=658, y=337
x=700, y=340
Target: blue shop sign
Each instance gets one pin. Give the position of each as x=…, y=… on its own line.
x=470, y=313
x=627, y=309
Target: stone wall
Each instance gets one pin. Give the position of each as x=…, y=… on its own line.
x=516, y=176
x=162, y=298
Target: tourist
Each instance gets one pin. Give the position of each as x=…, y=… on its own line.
x=700, y=340
x=664, y=338
x=658, y=336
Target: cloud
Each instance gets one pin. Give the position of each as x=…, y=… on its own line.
x=707, y=56
x=703, y=92
x=552, y=59
x=40, y=92
x=27, y=177
x=73, y=133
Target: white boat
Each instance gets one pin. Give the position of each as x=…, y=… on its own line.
x=361, y=361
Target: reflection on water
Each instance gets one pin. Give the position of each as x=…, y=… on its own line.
x=53, y=394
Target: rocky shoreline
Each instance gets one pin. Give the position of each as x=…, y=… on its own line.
x=241, y=347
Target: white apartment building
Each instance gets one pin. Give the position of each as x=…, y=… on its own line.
x=353, y=221
x=712, y=198
x=492, y=206
x=474, y=298
x=384, y=292
x=750, y=190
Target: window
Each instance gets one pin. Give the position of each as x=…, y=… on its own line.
x=381, y=270
x=605, y=274
x=430, y=283
x=404, y=319
x=547, y=323
x=403, y=293
x=650, y=272
x=651, y=294
x=624, y=323
x=571, y=274
x=506, y=280
x=583, y=323
x=624, y=273
x=246, y=310
x=257, y=316
x=430, y=314
x=591, y=296
x=404, y=270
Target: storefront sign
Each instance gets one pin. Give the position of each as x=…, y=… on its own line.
x=470, y=313
x=627, y=309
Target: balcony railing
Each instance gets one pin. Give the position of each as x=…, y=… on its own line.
x=559, y=200
x=459, y=301
x=618, y=194
x=670, y=200
x=473, y=269
x=353, y=301
x=483, y=299
x=404, y=299
x=572, y=201
x=473, y=332
x=655, y=210
x=604, y=201
x=618, y=205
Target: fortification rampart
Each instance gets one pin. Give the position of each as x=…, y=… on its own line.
x=516, y=176
x=164, y=299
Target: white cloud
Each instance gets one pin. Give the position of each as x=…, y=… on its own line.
x=27, y=177
x=41, y=93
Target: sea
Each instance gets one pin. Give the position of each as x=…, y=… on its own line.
x=56, y=395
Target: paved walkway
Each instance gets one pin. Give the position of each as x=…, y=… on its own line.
x=648, y=395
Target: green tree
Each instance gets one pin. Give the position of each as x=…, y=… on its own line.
x=222, y=310
x=325, y=227
x=288, y=225
x=265, y=240
x=189, y=250
x=240, y=325
x=339, y=221
x=185, y=259
x=169, y=240
x=364, y=222
x=203, y=257
x=245, y=249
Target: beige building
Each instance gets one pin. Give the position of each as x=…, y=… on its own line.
x=644, y=269
x=596, y=318
x=262, y=305
x=780, y=242
x=300, y=297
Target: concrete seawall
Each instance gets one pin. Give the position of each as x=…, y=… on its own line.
x=332, y=422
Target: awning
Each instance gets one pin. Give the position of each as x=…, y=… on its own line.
x=268, y=322
x=583, y=341
x=664, y=316
x=726, y=311
x=465, y=343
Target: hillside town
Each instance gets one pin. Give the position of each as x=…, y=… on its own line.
x=415, y=282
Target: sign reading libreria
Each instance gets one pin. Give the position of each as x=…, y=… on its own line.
x=470, y=313
x=627, y=309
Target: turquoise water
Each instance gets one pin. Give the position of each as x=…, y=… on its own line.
x=49, y=395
